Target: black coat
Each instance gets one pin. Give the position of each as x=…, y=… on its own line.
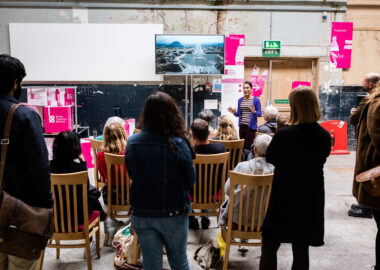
x=27, y=172
x=296, y=207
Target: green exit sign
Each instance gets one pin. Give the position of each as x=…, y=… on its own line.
x=281, y=101
x=272, y=44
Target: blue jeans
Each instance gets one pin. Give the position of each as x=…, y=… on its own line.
x=153, y=233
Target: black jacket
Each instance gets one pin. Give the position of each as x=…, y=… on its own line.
x=296, y=206
x=27, y=172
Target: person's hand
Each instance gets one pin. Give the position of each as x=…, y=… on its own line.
x=353, y=110
x=232, y=110
x=81, y=158
x=252, y=109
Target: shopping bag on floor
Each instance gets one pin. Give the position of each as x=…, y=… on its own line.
x=208, y=256
x=123, y=243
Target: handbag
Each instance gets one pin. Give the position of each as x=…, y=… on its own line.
x=24, y=229
x=370, y=180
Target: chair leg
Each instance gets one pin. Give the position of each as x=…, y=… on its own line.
x=226, y=256
x=40, y=260
x=58, y=249
x=97, y=236
x=88, y=253
x=105, y=242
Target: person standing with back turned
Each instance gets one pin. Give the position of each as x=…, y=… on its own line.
x=27, y=171
x=159, y=162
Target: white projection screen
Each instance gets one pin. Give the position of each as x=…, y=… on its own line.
x=85, y=52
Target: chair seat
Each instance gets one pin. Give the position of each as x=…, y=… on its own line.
x=91, y=218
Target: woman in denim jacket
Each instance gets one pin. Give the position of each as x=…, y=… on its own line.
x=159, y=162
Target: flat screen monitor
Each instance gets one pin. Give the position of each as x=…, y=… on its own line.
x=189, y=54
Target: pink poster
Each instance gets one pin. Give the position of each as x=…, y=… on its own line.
x=295, y=84
x=258, y=83
x=234, y=54
x=341, y=44
x=87, y=152
x=58, y=119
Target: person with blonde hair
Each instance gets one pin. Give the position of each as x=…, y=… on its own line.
x=226, y=130
x=368, y=157
x=114, y=142
x=296, y=206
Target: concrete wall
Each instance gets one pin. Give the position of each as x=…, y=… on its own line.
x=300, y=27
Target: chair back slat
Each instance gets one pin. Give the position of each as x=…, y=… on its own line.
x=235, y=147
x=253, y=200
x=65, y=187
x=95, y=148
x=211, y=172
x=118, y=178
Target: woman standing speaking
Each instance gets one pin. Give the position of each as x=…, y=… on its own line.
x=249, y=108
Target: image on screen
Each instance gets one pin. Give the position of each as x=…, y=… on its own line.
x=189, y=54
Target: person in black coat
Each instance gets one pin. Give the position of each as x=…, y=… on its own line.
x=68, y=158
x=296, y=208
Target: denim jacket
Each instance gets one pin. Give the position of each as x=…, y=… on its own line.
x=161, y=175
x=253, y=120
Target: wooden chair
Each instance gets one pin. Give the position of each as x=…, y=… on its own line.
x=235, y=148
x=66, y=227
x=119, y=182
x=211, y=176
x=250, y=218
x=96, y=146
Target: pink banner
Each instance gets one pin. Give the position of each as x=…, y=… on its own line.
x=258, y=82
x=295, y=84
x=341, y=44
x=234, y=54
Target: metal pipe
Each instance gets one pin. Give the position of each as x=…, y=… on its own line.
x=270, y=26
x=191, y=99
x=186, y=101
x=323, y=6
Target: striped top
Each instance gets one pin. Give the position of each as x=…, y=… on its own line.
x=245, y=111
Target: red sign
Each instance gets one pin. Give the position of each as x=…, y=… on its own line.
x=341, y=44
x=338, y=133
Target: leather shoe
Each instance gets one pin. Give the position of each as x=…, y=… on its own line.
x=360, y=212
x=355, y=206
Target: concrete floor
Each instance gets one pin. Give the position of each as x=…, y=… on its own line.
x=350, y=242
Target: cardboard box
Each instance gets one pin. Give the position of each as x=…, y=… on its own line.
x=58, y=119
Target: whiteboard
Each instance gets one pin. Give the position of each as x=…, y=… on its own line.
x=85, y=52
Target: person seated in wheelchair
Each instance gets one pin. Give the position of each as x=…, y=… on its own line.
x=257, y=166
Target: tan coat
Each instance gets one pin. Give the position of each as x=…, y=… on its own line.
x=368, y=149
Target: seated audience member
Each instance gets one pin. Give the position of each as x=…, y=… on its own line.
x=226, y=130
x=208, y=116
x=114, y=142
x=68, y=158
x=257, y=166
x=200, y=134
x=270, y=116
x=282, y=120
x=112, y=119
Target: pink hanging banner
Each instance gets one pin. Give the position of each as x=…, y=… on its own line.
x=234, y=54
x=258, y=82
x=341, y=44
x=295, y=84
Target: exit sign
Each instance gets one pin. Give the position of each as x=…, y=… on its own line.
x=271, y=44
x=281, y=101
x=271, y=48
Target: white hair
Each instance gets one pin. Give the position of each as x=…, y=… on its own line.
x=114, y=119
x=271, y=112
x=261, y=144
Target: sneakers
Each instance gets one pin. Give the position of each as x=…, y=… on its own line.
x=358, y=211
x=112, y=225
x=205, y=222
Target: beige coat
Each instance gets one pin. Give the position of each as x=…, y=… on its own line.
x=368, y=149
